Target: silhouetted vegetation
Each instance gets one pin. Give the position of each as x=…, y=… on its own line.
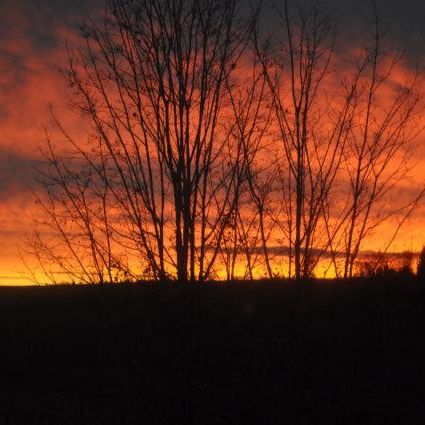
x=213, y=141
x=385, y=266
x=421, y=265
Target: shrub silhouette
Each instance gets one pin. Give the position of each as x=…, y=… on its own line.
x=381, y=266
x=421, y=265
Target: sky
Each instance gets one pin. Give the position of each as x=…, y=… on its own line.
x=33, y=36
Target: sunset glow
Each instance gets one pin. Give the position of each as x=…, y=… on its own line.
x=33, y=91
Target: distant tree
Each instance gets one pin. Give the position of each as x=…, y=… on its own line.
x=406, y=268
x=421, y=265
x=383, y=265
x=376, y=265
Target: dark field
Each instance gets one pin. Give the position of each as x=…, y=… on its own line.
x=262, y=353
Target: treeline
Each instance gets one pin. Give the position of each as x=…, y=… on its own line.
x=405, y=265
x=224, y=140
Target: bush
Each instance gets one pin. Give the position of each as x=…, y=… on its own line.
x=421, y=265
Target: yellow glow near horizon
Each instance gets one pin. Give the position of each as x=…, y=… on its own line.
x=25, y=109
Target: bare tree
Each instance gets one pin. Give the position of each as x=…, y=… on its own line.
x=312, y=131
x=155, y=80
x=246, y=234
x=209, y=141
x=78, y=241
x=379, y=149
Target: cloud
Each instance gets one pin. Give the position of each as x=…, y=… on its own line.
x=18, y=173
x=32, y=39
x=32, y=52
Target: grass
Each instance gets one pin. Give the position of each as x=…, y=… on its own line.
x=318, y=352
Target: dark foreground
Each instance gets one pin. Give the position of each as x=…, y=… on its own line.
x=269, y=353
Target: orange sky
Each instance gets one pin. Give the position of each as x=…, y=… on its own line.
x=31, y=55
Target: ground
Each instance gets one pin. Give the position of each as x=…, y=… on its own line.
x=318, y=352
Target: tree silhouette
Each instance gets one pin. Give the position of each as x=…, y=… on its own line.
x=156, y=80
x=216, y=145
x=421, y=265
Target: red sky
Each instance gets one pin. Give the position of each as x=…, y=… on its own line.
x=32, y=52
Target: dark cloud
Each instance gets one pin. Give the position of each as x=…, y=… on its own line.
x=41, y=25
x=18, y=173
x=401, y=21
